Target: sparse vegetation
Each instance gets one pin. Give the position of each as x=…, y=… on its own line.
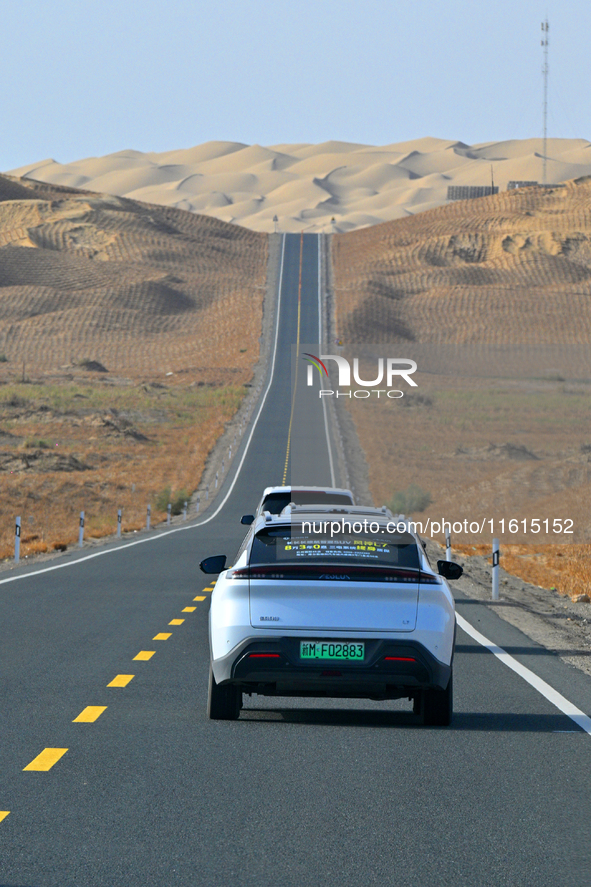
x=175, y=499
x=13, y=399
x=37, y=443
x=94, y=366
x=99, y=465
x=410, y=501
x=562, y=567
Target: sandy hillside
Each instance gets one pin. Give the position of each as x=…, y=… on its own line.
x=128, y=333
x=492, y=298
x=307, y=186
x=145, y=290
x=512, y=268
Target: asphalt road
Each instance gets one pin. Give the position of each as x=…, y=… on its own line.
x=297, y=792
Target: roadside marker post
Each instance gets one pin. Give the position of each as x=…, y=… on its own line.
x=496, y=556
x=168, y=513
x=448, y=544
x=197, y=506
x=81, y=530
x=17, y=541
x=207, y=492
x=119, y=523
x=148, y=516
x=185, y=511
x=216, y=480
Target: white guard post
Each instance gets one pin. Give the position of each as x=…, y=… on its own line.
x=17, y=540
x=168, y=511
x=495, y=570
x=81, y=530
x=448, y=544
x=119, y=523
x=148, y=516
x=185, y=511
x=197, y=505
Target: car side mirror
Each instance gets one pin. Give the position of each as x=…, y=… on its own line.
x=214, y=564
x=449, y=570
x=247, y=519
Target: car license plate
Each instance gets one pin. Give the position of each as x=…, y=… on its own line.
x=332, y=650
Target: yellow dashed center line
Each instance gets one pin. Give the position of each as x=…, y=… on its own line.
x=295, y=387
x=121, y=680
x=209, y=588
x=3, y=814
x=189, y=609
x=176, y=621
x=46, y=760
x=90, y=714
x=199, y=598
x=144, y=655
x=163, y=636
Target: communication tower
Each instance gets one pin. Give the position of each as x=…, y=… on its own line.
x=545, y=71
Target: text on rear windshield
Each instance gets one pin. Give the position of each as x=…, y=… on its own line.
x=278, y=546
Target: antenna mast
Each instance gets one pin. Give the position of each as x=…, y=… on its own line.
x=545, y=70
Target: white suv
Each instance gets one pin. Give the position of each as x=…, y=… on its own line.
x=274, y=499
x=332, y=602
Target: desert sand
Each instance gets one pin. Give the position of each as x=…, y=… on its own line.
x=330, y=187
x=491, y=297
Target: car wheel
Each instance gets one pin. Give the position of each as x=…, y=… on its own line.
x=223, y=703
x=438, y=706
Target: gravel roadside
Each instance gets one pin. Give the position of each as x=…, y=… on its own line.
x=550, y=619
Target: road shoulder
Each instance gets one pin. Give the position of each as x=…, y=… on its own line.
x=546, y=617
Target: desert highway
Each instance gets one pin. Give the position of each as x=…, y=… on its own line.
x=144, y=790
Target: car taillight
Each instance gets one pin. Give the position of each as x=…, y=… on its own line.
x=399, y=659
x=428, y=579
x=237, y=574
x=264, y=656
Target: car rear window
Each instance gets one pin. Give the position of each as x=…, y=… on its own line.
x=288, y=545
x=276, y=502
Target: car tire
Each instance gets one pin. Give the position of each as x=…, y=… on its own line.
x=223, y=703
x=438, y=706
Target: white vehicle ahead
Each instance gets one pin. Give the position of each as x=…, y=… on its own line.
x=332, y=603
x=274, y=499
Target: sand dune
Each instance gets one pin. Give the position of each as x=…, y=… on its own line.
x=143, y=289
x=331, y=187
x=511, y=268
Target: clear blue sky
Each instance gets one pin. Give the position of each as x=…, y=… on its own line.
x=88, y=77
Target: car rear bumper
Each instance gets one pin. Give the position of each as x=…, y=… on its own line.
x=390, y=670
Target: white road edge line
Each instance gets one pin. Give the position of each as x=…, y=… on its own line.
x=331, y=463
x=192, y=526
x=548, y=692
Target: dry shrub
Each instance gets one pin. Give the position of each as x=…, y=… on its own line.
x=565, y=568
x=35, y=548
x=176, y=430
